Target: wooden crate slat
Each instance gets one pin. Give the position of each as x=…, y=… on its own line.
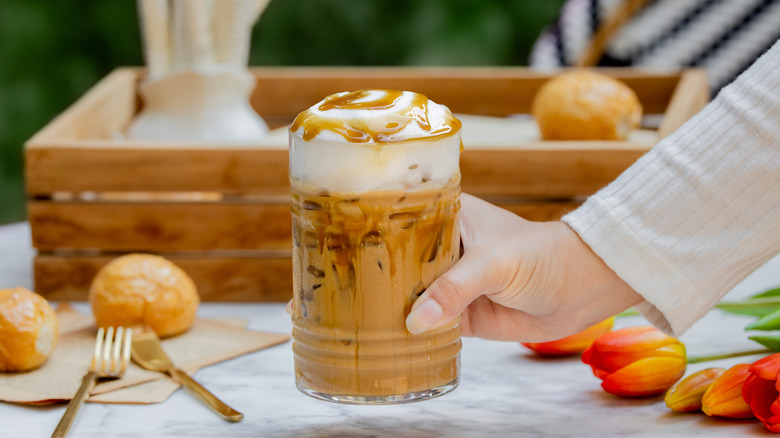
x=159, y=226
x=282, y=92
x=547, y=172
x=177, y=226
x=100, y=112
x=237, y=279
x=138, y=170
x=543, y=173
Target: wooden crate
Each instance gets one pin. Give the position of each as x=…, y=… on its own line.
x=222, y=212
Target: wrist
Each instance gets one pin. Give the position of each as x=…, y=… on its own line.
x=598, y=290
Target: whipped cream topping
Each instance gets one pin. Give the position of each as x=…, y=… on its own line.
x=375, y=140
x=375, y=116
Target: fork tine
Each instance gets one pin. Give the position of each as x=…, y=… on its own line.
x=126, y=350
x=95, y=364
x=117, y=349
x=107, y=343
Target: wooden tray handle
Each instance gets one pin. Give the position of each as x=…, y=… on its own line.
x=607, y=30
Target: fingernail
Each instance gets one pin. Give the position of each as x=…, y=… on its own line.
x=424, y=316
x=289, y=307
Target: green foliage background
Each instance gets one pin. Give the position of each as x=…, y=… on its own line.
x=52, y=51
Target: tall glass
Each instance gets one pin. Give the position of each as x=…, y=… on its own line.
x=375, y=198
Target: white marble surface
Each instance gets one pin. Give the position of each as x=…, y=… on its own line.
x=504, y=390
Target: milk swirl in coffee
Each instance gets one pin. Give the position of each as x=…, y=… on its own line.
x=375, y=198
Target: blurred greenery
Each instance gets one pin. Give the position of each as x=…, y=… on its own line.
x=52, y=51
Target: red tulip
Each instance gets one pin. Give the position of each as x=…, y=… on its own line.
x=724, y=397
x=636, y=361
x=761, y=391
x=573, y=344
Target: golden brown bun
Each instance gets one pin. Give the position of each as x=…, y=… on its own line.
x=28, y=329
x=143, y=288
x=585, y=105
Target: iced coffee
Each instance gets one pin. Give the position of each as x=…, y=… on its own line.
x=375, y=199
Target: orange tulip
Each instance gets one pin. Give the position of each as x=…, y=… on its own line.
x=573, y=344
x=686, y=395
x=636, y=361
x=761, y=391
x=724, y=396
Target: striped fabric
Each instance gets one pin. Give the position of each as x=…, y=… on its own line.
x=722, y=36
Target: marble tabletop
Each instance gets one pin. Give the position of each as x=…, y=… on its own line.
x=504, y=390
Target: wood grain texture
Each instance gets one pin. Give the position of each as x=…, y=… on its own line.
x=542, y=173
x=230, y=171
x=68, y=277
x=103, y=110
x=159, y=226
x=195, y=226
x=282, y=92
x=690, y=96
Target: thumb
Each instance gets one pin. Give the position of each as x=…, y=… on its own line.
x=451, y=293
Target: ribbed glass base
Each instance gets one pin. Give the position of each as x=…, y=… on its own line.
x=381, y=399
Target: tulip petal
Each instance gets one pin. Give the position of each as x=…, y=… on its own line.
x=631, y=339
x=749, y=391
x=613, y=361
x=724, y=398
x=767, y=368
x=686, y=395
x=601, y=374
x=775, y=408
x=649, y=376
x=759, y=394
x=761, y=391
x=573, y=344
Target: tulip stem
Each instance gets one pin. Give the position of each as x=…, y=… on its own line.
x=697, y=359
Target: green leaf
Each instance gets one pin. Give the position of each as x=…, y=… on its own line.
x=770, y=341
x=753, y=306
x=768, y=293
x=766, y=322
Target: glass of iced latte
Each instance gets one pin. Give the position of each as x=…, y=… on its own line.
x=375, y=192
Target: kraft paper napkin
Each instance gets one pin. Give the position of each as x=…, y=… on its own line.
x=155, y=391
x=206, y=343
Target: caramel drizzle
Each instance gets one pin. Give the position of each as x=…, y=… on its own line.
x=358, y=131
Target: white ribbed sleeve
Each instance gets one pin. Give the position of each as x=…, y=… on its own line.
x=700, y=211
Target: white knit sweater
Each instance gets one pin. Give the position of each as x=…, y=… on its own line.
x=701, y=210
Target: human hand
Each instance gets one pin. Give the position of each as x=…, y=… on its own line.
x=520, y=281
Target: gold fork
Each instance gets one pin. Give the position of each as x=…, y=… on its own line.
x=109, y=361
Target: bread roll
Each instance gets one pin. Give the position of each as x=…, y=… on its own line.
x=28, y=330
x=143, y=288
x=585, y=105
